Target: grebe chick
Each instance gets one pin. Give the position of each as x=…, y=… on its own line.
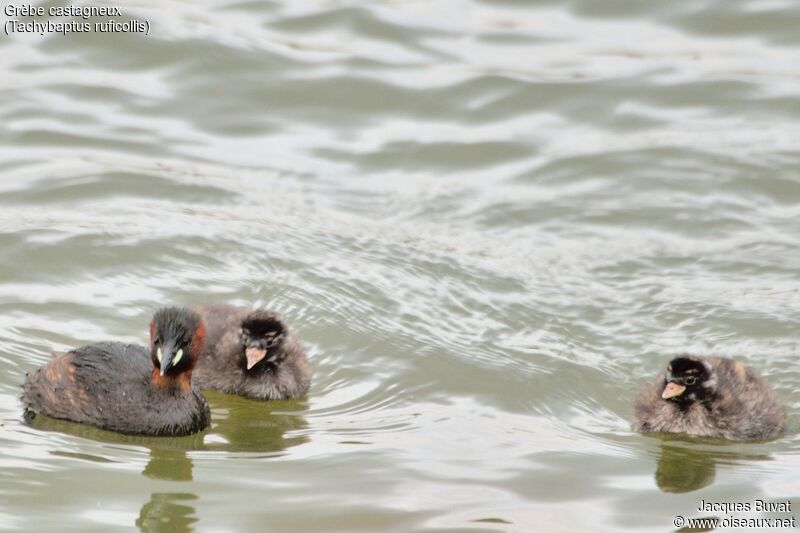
x=709, y=397
x=251, y=353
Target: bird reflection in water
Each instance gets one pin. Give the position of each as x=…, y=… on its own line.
x=243, y=425
x=170, y=462
x=167, y=512
x=686, y=464
x=238, y=425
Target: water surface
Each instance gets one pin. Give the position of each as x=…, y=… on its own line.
x=491, y=222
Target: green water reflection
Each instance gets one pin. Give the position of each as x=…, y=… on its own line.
x=240, y=425
x=168, y=512
x=686, y=465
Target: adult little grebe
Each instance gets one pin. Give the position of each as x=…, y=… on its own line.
x=126, y=387
x=709, y=397
x=251, y=353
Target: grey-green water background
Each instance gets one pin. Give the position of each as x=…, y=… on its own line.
x=491, y=222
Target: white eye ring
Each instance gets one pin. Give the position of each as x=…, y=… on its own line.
x=691, y=380
x=177, y=357
x=158, y=354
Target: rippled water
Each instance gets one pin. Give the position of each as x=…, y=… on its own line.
x=491, y=222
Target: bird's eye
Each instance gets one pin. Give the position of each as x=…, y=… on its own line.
x=691, y=380
x=158, y=354
x=177, y=357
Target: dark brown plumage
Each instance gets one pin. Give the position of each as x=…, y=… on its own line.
x=709, y=397
x=125, y=387
x=251, y=353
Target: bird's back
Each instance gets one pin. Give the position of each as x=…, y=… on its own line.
x=223, y=338
x=745, y=406
x=88, y=384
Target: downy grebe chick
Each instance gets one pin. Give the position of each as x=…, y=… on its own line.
x=126, y=387
x=251, y=353
x=709, y=397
